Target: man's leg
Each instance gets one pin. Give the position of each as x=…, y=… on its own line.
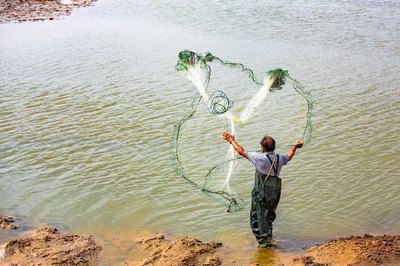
x=273, y=195
x=271, y=215
x=258, y=222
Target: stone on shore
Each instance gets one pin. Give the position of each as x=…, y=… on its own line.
x=7, y=222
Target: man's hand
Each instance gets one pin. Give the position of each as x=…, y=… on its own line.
x=298, y=144
x=231, y=139
x=292, y=151
x=228, y=137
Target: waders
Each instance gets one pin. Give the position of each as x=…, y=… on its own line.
x=264, y=201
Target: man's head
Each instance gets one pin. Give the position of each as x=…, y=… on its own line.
x=267, y=144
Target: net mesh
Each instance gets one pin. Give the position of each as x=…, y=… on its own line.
x=219, y=103
x=197, y=68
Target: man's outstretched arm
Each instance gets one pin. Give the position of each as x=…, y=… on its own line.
x=296, y=146
x=231, y=139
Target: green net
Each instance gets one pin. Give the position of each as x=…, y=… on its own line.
x=197, y=68
x=219, y=103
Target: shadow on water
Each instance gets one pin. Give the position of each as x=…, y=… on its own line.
x=281, y=252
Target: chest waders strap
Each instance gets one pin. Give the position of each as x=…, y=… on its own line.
x=272, y=165
x=270, y=168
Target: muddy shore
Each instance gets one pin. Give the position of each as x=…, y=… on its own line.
x=354, y=250
x=48, y=246
x=18, y=11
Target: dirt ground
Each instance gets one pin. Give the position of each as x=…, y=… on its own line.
x=183, y=251
x=38, y=10
x=46, y=246
x=354, y=250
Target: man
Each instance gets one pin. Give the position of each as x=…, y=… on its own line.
x=267, y=186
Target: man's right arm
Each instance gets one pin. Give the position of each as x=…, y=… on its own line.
x=231, y=139
x=238, y=148
x=296, y=146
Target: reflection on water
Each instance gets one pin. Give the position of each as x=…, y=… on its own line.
x=88, y=104
x=265, y=256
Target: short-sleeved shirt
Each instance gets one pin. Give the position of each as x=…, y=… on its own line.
x=262, y=163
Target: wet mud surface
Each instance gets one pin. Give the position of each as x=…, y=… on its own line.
x=354, y=250
x=183, y=251
x=47, y=246
x=38, y=10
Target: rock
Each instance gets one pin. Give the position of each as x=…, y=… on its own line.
x=5, y=223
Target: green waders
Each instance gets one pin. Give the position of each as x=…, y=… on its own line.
x=264, y=201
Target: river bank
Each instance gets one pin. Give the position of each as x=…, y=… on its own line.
x=38, y=10
x=47, y=245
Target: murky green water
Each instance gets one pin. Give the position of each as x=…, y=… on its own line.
x=88, y=104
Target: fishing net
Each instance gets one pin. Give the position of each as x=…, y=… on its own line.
x=219, y=103
x=197, y=68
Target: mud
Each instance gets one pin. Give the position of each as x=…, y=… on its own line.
x=38, y=10
x=354, y=250
x=183, y=251
x=46, y=246
x=7, y=222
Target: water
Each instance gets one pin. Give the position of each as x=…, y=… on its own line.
x=88, y=104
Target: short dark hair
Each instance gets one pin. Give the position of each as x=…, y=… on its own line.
x=268, y=143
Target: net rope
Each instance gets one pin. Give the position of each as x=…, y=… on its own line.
x=198, y=70
x=219, y=103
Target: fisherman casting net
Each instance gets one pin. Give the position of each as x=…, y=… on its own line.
x=197, y=68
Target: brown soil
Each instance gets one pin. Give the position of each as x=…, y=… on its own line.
x=183, y=251
x=354, y=250
x=6, y=222
x=47, y=246
x=37, y=10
